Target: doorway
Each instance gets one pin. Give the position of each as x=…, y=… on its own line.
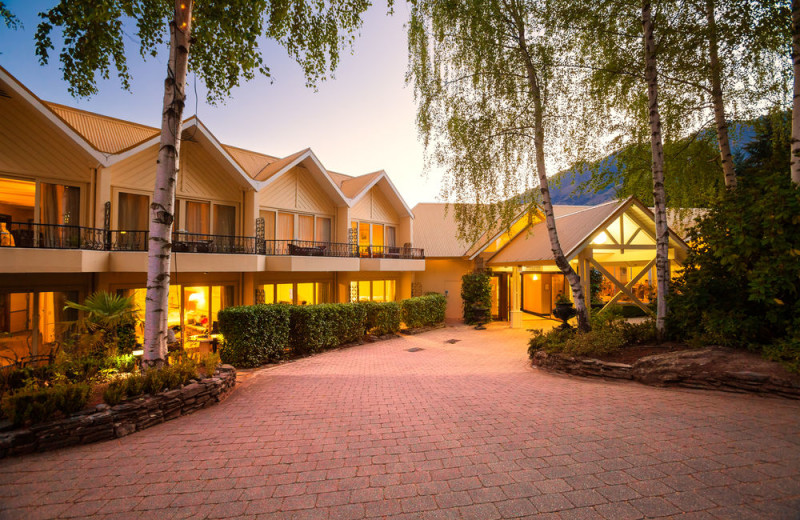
x=500, y=296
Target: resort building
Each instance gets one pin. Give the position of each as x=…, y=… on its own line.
x=75, y=191
x=616, y=240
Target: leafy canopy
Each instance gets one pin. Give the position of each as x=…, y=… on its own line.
x=741, y=283
x=226, y=34
x=475, y=114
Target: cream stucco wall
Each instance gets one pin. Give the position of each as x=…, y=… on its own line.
x=444, y=274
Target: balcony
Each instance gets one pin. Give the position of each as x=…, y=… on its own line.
x=83, y=249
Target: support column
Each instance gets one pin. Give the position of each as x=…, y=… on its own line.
x=586, y=277
x=516, y=299
x=36, y=340
x=249, y=213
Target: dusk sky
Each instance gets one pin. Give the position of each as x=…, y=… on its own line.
x=359, y=122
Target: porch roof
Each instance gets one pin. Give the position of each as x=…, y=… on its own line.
x=575, y=231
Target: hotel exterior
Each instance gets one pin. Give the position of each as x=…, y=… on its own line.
x=75, y=190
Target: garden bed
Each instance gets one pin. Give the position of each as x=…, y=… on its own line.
x=711, y=368
x=103, y=422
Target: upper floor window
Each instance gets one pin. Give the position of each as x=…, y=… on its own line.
x=286, y=226
x=132, y=212
x=375, y=235
x=58, y=204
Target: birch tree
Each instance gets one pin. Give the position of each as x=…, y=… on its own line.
x=493, y=108
x=219, y=41
x=657, y=151
x=795, y=164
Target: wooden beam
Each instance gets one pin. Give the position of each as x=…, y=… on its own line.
x=622, y=288
x=630, y=240
x=621, y=247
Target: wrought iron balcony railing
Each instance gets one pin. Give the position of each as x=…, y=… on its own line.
x=52, y=236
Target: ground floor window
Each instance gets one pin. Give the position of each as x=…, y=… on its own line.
x=192, y=312
x=373, y=290
x=295, y=293
x=31, y=322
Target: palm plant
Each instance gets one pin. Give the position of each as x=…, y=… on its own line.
x=107, y=322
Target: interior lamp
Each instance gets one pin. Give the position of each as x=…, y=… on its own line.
x=601, y=238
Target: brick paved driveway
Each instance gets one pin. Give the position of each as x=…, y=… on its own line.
x=462, y=430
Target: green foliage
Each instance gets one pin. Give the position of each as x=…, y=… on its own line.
x=381, y=317
x=36, y=404
x=108, y=324
x=8, y=18
x=115, y=392
x=226, y=38
x=595, y=286
x=210, y=362
x=254, y=335
x=476, y=289
x=424, y=311
x=179, y=372
x=328, y=325
x=610, y=333
x=741, y=282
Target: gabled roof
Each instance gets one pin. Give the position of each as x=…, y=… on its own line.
x=106, y=134
x=252, y=162
x=41, y=107
x=575, y=231
x=436, y=230
x=353, y=186
x=385, y=184
x=307, y=158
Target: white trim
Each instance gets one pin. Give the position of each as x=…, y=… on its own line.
x=308, y=154
x=376, y=180
x=37, y=104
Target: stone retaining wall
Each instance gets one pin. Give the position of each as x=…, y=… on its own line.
x=109, y=422
x=703, y=369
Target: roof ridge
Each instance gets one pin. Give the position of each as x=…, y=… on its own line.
x=587, y=208
x=51, y=104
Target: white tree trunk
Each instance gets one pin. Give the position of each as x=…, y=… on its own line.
x=716, y=98
x=163, y=206
x=796, y=98
x=538, y=140
x=657, y=150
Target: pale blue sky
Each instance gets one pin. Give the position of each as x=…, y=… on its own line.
x=359, y=122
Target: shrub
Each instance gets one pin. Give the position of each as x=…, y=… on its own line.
x=254, y=335
x=34, y=404
x=424, y=311
x=115, y=393
x=610, y=333
x=741, y=283
x=317, y=327
x=134, y=385
x=210, y=362
x=476, y=289
x=381, y=317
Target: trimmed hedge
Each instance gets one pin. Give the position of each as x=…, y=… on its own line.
x=327, y=325
x=254, y=334
x=258, y=334
x=382, y=317
x=424, y=311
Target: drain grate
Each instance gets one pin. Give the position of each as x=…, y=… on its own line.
x=415, y=349
x=451, y=341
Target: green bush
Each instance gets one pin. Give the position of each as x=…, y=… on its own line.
x=741, y=283
x=34, y=405
x=610, y=333
x=134, y=385
x=476, y=289
x=424, y=311
x=115, y=393
x=381, y=317
x=317, y=327
x=254, y=335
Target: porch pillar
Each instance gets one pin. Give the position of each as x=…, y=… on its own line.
x=516, y=300
x=586, y=277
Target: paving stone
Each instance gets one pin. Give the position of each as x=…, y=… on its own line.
x=470, y=432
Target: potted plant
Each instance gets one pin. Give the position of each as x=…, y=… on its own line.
x=564, y=309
